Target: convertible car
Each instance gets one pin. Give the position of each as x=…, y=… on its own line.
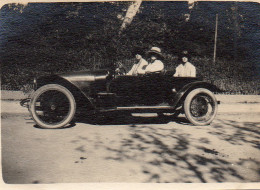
x=58, y=98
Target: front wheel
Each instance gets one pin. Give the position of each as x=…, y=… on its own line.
x=200, y=106
x=52, y=106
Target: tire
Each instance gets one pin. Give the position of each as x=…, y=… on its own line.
x=52, y=106
x=200, y=106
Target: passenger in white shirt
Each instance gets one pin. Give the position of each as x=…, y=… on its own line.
x=186, y=69
x=156, y=65
x=138, y=68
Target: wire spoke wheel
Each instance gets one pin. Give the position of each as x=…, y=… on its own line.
x=52, y=106
x=200, y=106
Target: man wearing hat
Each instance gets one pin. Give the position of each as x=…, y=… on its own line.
x=185, y=69
x=156, y=65
x=139, y=67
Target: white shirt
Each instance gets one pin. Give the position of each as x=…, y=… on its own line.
x=156, y=66
x=186, y=70
x=138, y=68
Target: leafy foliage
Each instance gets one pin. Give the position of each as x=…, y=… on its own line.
x=52, y=38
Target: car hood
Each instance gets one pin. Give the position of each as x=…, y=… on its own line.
x=88, y=75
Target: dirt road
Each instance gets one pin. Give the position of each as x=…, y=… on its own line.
x=139, y=148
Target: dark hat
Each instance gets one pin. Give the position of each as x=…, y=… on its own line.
x=184, y=54
x=156, y=51
x=139, y=51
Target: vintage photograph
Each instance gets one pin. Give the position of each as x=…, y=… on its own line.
x=130, y=91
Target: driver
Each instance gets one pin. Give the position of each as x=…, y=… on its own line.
x=156, y=65
x=138, y=68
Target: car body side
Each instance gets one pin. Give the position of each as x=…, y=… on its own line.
x=89, y=87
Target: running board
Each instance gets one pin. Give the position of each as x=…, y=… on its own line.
x=144, y=109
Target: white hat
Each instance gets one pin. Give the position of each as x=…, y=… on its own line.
x=155, y=50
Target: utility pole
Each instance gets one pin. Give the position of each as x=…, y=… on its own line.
x=236, y=29
x=215, y=42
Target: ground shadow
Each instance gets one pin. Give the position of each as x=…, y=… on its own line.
x=122, y=118
x=70, y=125
x=238, y=133
x=168, y=154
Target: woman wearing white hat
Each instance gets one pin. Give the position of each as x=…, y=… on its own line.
x=156, y=65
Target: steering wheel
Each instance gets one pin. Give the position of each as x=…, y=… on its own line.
x=120, y=69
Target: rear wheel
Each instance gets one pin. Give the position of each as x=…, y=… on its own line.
x=52, y=106
x=200, y=106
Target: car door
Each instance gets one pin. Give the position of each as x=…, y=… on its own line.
x=138, y=90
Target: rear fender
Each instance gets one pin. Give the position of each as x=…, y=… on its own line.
x=183, y=92
x=81, y=97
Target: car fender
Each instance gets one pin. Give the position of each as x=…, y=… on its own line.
x=78, y=92
x=184, y=91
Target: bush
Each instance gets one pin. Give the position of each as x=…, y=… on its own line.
x=230, y=76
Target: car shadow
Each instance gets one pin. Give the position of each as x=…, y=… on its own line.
x=128, y=119
x=120, y=119
x=72, y=124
